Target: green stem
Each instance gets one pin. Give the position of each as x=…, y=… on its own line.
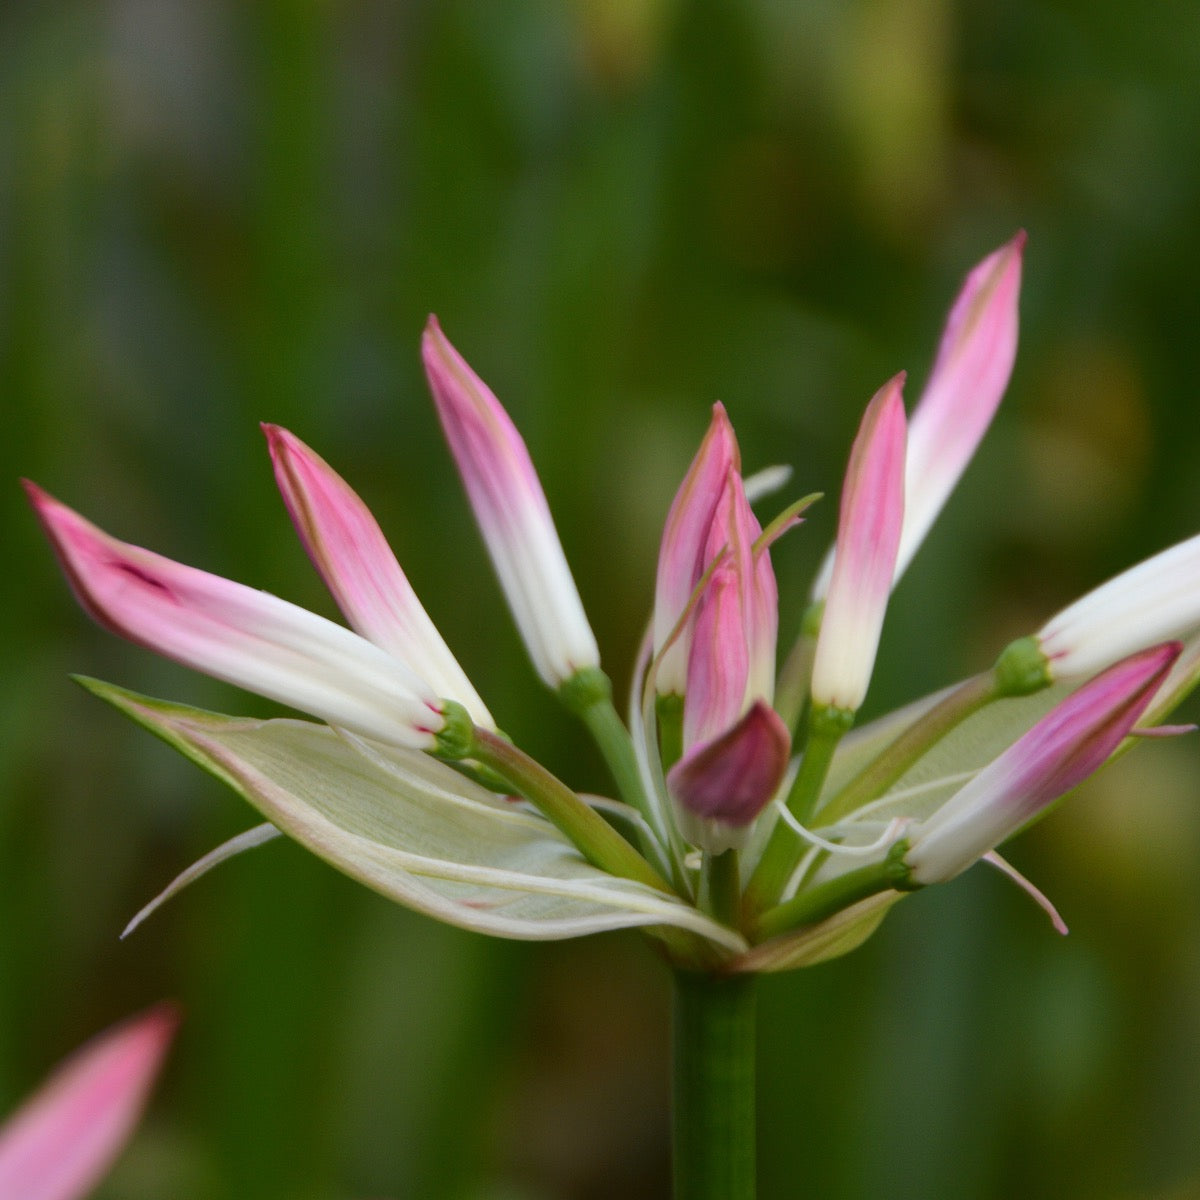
x=588, y=694
x=791, y=688
x=966, y=699
x=612, y=738
x=834, y=895
x=779, y=858
x=723, y=887
x=713, y=1126
x=595, y=838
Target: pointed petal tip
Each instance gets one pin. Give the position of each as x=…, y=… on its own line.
x=434, y=339
x=61, y=1143
x=279, y=441
x=161, y=1021
x=38, y=497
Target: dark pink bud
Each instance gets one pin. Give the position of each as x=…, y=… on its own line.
x=720, y=786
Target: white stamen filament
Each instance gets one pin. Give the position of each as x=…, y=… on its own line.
x=895, y=827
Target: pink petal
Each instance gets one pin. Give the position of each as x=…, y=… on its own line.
x=235, y=633
x=349, y=550
x=512, y=513
x=731, y=659
x=1059, y=752
x=869, y=524
x=64, y=1139
x=1159, y=598
x=719, y=663
x=681, y=556
x=968, y=380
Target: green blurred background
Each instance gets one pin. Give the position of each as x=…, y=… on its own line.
x=215, y=213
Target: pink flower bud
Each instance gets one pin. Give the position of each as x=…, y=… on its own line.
x=512, y=513
x=242, y=636
x=681, y=557
x=869, y=523
x=720, y=786
x=348, y=548
x=1059, y=752
x=970, y=374
x=65, y=1138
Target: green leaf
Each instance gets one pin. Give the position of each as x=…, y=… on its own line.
x=412, y=828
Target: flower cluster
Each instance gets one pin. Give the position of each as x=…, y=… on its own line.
x=756, y=828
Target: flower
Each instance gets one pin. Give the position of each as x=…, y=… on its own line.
x=869, y=526
x=1157, y=599
x=512, y=512
x=1062, y=749
x=726, y=853
x=969, y=376
x=245, y=637
x=735, y=746
x=64, y=1139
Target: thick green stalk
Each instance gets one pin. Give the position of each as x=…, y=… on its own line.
x=713, y=1124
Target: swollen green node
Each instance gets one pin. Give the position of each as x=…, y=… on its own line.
x=827, y=721
x=587, y=687
x=1022, y=668
x=456, y=738
x=899, y=872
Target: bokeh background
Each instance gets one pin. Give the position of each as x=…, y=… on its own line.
x=217, y=213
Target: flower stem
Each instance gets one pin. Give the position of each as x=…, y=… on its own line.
x=713, y=1134
x=722, y=890
x=588, y=694
x=835, y=894
x=783, y=849
x=596, y=840
x=966, y=699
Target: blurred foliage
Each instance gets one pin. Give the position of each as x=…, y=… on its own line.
x=215, y=213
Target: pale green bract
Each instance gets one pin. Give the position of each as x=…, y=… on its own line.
x=412, y=828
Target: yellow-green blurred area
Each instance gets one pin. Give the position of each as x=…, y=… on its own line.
x=215, y=213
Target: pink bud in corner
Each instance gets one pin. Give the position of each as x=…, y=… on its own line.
x=64, y=1139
